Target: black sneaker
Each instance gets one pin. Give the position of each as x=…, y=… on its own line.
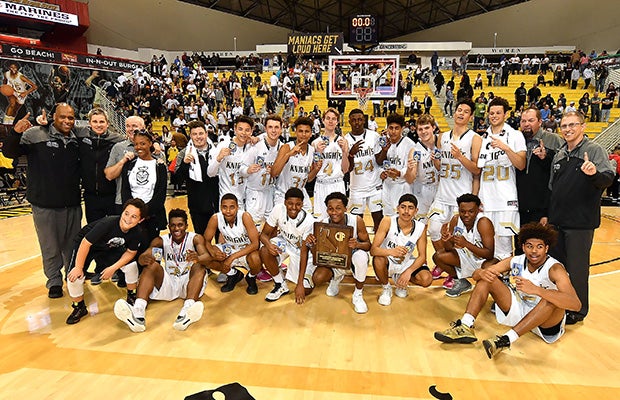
x=131, y=297
x=95, y=279
x=572, y=318
x=55, y=292
x=496, y=346
x=252, y=288
x=79, y=311
x=231, y=281
x=121, y=281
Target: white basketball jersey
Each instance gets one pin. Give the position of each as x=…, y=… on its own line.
x=540, y=277
x=427, y=173
x=174, y=254
x=455, y=179
x=235, y=234
x=350, y=220
x=17, y=83
x=498, y=182
x=395, y=237
x=332, y=161
x=230, y=179
x=295, y=172
x=366, y=174
x=397, y=155
x=293, y=230
x=472, y=236
x=261, y=152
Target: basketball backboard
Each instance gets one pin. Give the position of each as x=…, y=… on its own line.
x=352, y=77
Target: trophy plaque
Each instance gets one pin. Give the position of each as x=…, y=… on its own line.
x=332, y=245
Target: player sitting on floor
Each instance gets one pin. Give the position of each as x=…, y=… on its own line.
x=181, y=276
x=538, y=294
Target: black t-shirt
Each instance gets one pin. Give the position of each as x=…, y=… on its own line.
x=105, y=234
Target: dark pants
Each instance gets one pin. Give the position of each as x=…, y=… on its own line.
x=200, y=221
x=56, y=228
x=97, y=207
x=573, y=250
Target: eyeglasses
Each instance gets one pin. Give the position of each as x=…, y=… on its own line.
x=571, y=126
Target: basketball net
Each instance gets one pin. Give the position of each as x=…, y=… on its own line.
x=362, y=94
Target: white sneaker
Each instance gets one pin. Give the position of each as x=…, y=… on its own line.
x=386, y=296
x=359, y=305
x=279, y=290
x=124, y=312
x=401, y=292
x=334, y=285
x=193, y=314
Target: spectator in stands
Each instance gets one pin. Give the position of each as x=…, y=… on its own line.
x=545, y=113
x=520, y=96
x=570, y=108
x=595, y=108
x=448, y=105
x=439, y=82
x=588, y=74
x=478, y=82
x=534, y=94
x=551, y=124
x=606, y=104
x=428, y=103
x=612, y=191
x=584, y=103
x=574, y=78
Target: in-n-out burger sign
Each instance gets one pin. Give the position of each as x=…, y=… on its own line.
x=42, y=14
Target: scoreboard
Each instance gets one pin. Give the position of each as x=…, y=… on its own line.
x=363, y=30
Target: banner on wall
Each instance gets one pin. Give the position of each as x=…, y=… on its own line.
x=41, y=14
x=29, y=86
x=82, y=60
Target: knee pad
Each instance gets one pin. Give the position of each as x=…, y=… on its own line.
x=76, y=289
x=434, y=229
x=131, y=272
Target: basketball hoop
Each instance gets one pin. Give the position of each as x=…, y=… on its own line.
x=362, y=94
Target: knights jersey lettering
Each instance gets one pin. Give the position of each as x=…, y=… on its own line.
x=296, y=170
x=174, y=254
x=366, y=173
x=235, y=234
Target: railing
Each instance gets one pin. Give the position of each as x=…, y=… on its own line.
x=610, y=137
x=116, y=119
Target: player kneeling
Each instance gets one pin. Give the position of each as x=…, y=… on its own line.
x=392, y=250
x=181, y=276
x=294, y=225
x=535, y=300
x=336, y=204
x=111, y=241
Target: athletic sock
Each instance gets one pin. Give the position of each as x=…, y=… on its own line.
x=387, y=286
x=357, y=291
x=468, y=320
x=278, y=278
x=139, y=308
x=233, y=271
x=250, y=275
x=512, y=335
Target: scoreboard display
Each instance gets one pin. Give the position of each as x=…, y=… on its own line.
x=363, y=30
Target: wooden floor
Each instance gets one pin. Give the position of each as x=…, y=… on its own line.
x=321, y=350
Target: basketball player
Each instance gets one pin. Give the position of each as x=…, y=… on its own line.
x=535, y=300
x=292, y=225
x=334, y=150
x=21, y=88
x=393, y=157
x=503, y=149
x=225, y=160
x=468, y=244
x=112, y=242
x=336, y=204
x=423, y=166
x=392, y=249
x=365, y=185
x=294, y=166
x=256, y=169
x=458, y=172
x=239, y=247
x=181, y=276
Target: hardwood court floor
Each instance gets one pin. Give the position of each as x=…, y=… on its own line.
x=321, y=350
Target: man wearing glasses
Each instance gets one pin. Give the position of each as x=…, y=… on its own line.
x=580, y=172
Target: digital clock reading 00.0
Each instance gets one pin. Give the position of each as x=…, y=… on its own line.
x=363, y=30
